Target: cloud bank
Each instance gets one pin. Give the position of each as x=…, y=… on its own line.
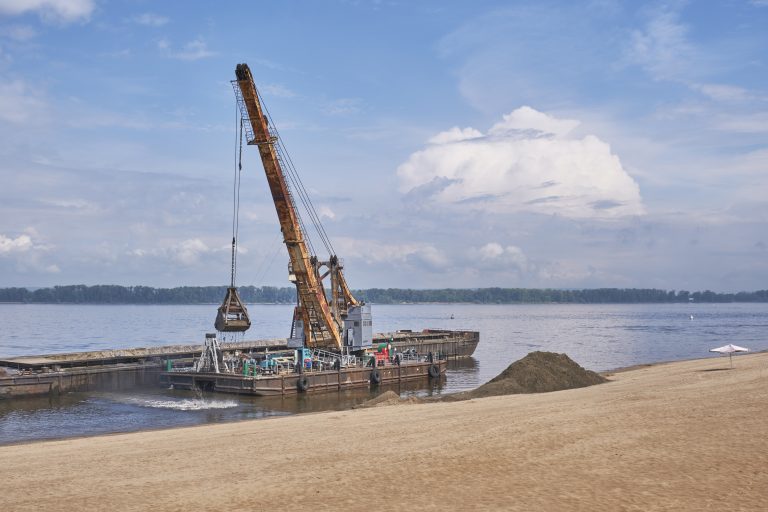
x=527, y=162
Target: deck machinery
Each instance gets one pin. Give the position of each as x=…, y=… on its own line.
x=343, y=322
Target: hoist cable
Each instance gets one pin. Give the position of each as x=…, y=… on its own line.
x=237, y=209
x=289, y=174
x=283, y=168
x=269, y=258
x=236, y=193
x=307, y=201
x=294, y=177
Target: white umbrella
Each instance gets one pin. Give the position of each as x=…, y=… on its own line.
x=729, y=349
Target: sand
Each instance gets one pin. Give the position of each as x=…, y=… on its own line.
x=538, y=372
x=688, y=435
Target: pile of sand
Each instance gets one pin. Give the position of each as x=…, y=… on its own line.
x=538, y=372
x=387, y=398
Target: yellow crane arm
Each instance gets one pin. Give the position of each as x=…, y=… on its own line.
x=320, y=327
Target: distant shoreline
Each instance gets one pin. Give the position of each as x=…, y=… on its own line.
x=431, y=303
x=190, y=295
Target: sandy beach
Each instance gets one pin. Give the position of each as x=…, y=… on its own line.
x=689, y=435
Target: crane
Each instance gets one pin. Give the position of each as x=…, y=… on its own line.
x=342, y=322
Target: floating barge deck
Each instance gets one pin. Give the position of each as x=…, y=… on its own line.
x=291, y=383
x=129, y=368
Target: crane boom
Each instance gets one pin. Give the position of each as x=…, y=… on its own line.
x=322, y=324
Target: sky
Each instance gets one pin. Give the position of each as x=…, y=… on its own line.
x=444, y=144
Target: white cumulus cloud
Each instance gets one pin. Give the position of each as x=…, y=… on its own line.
x=21, y=243
x=455, y=134
x=493, y=255
x=529, y=121
x=527, y=162
x=493, y=251
x=327, y=212
x=188, y=252
x=26, y=253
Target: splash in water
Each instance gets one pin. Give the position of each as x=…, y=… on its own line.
x=186, y=404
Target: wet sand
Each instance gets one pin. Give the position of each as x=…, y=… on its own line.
x=689, y=435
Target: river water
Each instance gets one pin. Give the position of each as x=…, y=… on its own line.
x=599, y=337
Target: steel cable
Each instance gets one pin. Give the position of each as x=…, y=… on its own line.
x=304, y=197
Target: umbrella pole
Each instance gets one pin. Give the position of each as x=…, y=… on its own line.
x=730, y=356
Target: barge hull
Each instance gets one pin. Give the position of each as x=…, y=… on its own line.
x=122, y=369
x=113, y=378
x=452, y=344
x=288, y=383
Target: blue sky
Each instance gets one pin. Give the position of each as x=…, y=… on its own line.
x=445, y=144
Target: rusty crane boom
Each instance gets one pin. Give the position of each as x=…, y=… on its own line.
x=342, y=322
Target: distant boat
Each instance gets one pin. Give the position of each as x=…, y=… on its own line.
x=451, y=316
x=691, y=317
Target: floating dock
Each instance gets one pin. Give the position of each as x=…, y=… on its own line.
x=124, y=369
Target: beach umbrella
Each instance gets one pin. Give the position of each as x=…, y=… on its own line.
x=729, y=349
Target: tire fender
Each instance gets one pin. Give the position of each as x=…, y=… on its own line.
x=302, y=385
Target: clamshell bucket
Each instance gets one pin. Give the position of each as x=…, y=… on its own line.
x=232, y=315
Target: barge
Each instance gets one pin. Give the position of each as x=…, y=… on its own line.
x=125, y=369
x=292, y=383
x=302, y=370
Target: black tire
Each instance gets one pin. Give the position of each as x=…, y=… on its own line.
x=434, y=371
x=302, y=384
x=375, y=376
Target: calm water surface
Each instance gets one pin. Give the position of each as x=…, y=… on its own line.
x=599, y=337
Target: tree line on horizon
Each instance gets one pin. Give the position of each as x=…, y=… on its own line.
x=116, y=294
